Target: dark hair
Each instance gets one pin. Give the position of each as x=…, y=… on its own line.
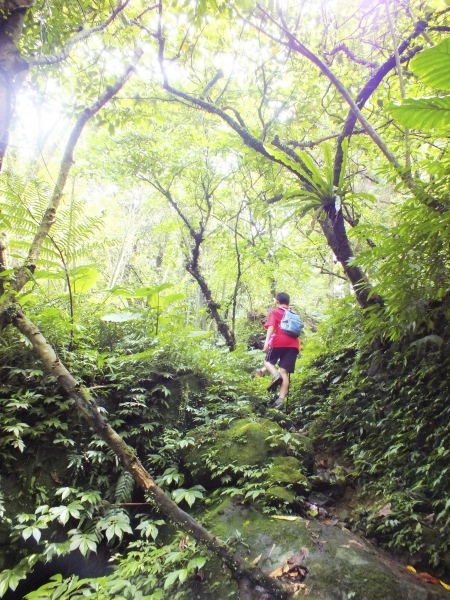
x=282, y=298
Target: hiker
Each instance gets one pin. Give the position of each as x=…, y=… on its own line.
x=283, y=348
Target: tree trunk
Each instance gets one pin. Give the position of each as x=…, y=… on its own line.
x=213, y=307
x=333, y=226
x=246, y=589
x=23, y=274
x=127, y=455
x=193, y=268
x=11, y=63
x=334, y=229
x=365, y=94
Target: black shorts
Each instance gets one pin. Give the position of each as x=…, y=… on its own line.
x=286, y=356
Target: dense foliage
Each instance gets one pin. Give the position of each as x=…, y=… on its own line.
x=385, y=414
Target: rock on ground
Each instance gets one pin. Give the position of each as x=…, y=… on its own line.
x=341, y=565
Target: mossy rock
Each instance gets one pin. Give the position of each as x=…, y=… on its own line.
x=341, y=564
x=243, y=408
x=287, y=470
x=245, y=442
x=280, y=495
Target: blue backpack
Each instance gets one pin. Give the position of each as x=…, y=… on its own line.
x=291, y=323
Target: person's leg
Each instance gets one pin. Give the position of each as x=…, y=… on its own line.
x=287, y=366
x=271, y=360
x=270, y=367
x=285, y=385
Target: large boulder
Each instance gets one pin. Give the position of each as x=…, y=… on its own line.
x=251, y=442
x=340, y=565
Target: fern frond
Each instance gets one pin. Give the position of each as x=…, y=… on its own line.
x=124, y=488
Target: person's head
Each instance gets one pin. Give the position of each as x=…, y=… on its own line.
x=282, y=298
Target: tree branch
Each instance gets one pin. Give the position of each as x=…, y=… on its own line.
x=52, y=59
x=311, y=144
x=278, y=144
x=365, y=94
x=192, y=262
x=22, y=276
x=360, y=61
x=324, y=271
x=400, y=79
x=294, y=44
x=248, y=139
x=172, y=202
x=212, y=83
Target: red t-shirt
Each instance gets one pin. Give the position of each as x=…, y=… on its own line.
x=281, y=339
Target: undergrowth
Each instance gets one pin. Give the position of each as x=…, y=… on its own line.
x=74, y=496
x=390, y=422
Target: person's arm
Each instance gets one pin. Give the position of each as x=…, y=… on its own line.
x=270, y=331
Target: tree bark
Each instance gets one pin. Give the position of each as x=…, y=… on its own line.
x=246, y=589
x=127, y=455
x=11, y=63
x=193, y=267
x=333, y=227
x=64, y=53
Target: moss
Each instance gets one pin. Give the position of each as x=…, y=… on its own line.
x=256, y=527
x=340, y=564
x=243, y=409
x=245, y=442
x=280, y=494
x=353, y=577
x=287, y=469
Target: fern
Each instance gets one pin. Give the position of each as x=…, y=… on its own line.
x=124, y=488
x=22, y=205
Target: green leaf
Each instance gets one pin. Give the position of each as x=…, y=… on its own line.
x=85, y=542
x=42, y=274
x=7, y=273
x=145, y=292
x=170, y=579
x=189, y=495
x=50, y=312
x=196, y=563
x=170, y=299
x=85, y=278
x=183, y=575
x=422, y=113
x=432, y=65
x=121, y=291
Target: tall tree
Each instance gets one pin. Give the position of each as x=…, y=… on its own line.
x=281, y=31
